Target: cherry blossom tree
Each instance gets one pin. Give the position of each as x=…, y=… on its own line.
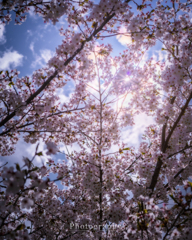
x=111, y=190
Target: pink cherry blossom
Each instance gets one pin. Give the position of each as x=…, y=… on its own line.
x=51, y=148
x=102, y=179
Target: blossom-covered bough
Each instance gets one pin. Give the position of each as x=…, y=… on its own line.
x=110, y=190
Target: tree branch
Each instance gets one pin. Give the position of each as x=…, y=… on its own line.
x=160, y=162
x=46, y=83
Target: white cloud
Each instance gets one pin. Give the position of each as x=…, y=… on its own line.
x=32, y=13
x=10, y=59
x=124, y=39
x=162, y=56
x=24, y=149
x=2, y=32
x=29, y=32
x=132, y=135
x=68, y=149
x=46, y=54
x=42, y=59
x=63, y=98
x=31, y=47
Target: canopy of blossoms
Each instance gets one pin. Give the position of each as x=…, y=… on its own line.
x=110, y=190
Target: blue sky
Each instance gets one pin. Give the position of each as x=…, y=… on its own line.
x=30, y=39
x=34, y=40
